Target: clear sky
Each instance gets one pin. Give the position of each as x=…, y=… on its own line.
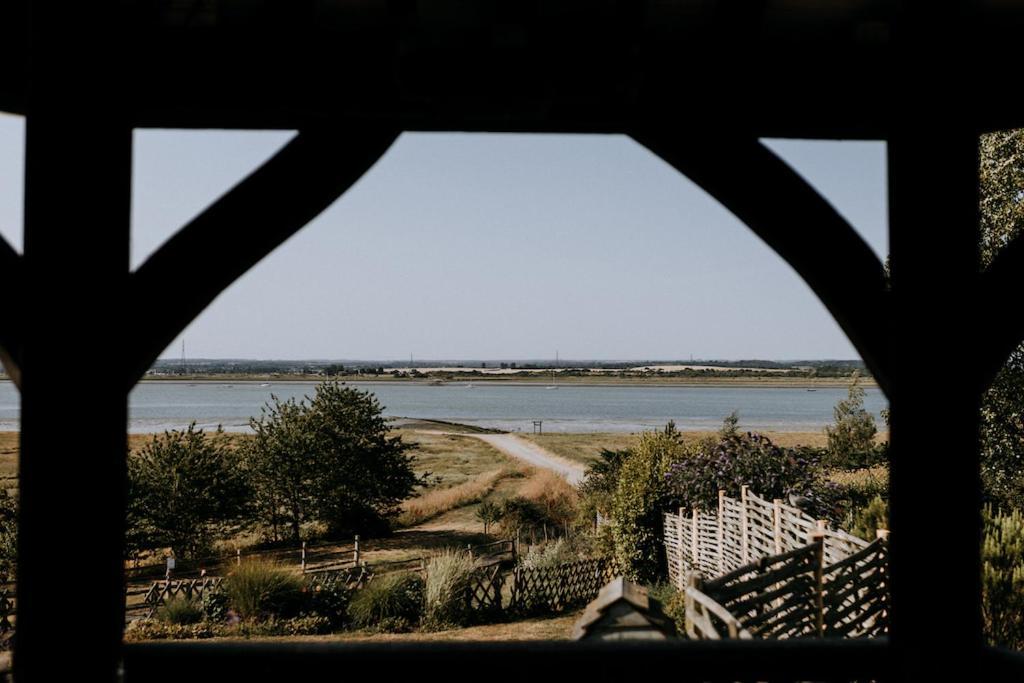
x=497, y=246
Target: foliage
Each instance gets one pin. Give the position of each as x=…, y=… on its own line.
x=329, y=600
x=554, y=497
x=214, y=604
x=1001, y=181
x=331, y=460
x=155, y=629
x=258, y=590
x=519, y=514
x=1002, y=434
x=306, y=625
x=392, y=603
x=640, y=497
x=181, y=611
x=8, y=534
x=599, y=484
x=550, y=554
x=851, y=440
x=488, y=513
x=446, y=592
x=184, y=491
x=866, y=520
x=1002, y=578
x=732, y=461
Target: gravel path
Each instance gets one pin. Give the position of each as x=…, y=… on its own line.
x=529, y=452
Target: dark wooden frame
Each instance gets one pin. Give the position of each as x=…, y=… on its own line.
x=696, y=81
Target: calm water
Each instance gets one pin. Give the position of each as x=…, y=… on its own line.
x=164, y=405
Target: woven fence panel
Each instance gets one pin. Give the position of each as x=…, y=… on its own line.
x=555, y=589
x=856, y=596
x=732, y=535
x=708, y=551
x=674, y=548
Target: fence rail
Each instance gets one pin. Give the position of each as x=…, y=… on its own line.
x=741, y=531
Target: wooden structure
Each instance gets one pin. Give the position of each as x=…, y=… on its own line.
x=794, y=594
x=623, y=611
x=744, y=530
x=698, y=82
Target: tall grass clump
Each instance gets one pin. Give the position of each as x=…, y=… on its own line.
x=550, y=554
x=437, y=502
x=257, y=590
x=393, y=602
x=555, y=497
x=180, y=612
x=1002, y=578
x=447, y=589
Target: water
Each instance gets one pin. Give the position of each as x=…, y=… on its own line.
x=156, y=406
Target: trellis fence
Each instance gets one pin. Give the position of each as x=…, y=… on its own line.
x=744, y=530
x=557, y=588
x=794, y=594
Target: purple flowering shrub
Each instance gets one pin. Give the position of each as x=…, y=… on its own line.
x=736, y=458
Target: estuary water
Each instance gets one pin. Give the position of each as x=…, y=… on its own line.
x=159, y=405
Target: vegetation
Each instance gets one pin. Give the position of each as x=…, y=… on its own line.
x=331, y=460
x=8, y=534
x=446, y=590
x=864, y=521
x=258, y=590
x=181, y=611
x=641, y=495
x=851, y=440
x=184, y=492
x=488, y=513
x=438, y=501
x=1002, y=578
x=393, y=603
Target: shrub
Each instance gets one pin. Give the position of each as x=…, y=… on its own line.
x=598, y=485
x=154, y=629
x=865, y=521
x=519, y=514
x=447, y=589
x=308, y=625
x=732, y=460
x=214, y=604
x=181, y=611
x=257, y=590
x=393, y=602
x=550, y=554
x=637, y=504
x=1002, y=578
x=8, y=535
x=857, y=488
x=329, y=600
x=554, y=497
x=851, y=439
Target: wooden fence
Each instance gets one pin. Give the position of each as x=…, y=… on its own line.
x=795, y=593
x=554, y=589
x=741, y=531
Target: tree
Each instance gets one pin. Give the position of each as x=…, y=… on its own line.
x=331, y=460
x=851, y=440
x=1001, y=180
x=184, y=491
x=8, y=535
x=488, y=513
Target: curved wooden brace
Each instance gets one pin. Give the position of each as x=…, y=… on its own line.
x=10, y=330
x=235, y=232
x=1001, y=322
x=764, y=192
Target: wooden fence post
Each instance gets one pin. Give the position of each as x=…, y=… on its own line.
x=238, y=556
x=355, y=553
x=302, y=561
x=695, y=540
x=818, y=538
x=680, y=551
x=745, y=548
x=721, y=531
x=777, y=523
x=882, y=533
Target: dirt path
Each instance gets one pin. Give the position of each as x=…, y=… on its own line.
x=521, y=449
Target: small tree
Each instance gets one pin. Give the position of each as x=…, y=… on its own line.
x=184, y=491
x=851, y=440
x=488, y=513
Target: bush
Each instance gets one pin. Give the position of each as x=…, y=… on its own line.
x=865, y=521
x=8, y=535
x=851, y=440
x=214, y=604
x=258, y=590
x=447, y=589
x=736, y=459
x=550, y=554
x=393, y=602
x=519, y=514
x=329, y=600
x=154, y=629
x=181, y=611
x=640, y=497
x=1002, y=578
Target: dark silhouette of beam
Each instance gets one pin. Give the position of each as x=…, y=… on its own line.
x=798, y=223
x=248, y=222
x=10, y=330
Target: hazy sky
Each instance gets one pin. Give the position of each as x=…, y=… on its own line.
x=497, y=246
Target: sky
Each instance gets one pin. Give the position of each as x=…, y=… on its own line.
x=484, y=246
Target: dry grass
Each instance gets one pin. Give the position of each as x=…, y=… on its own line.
x=438, y=501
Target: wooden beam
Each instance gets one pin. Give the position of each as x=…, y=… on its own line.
x=11, y=274
x=234, y=233
x=798, y=223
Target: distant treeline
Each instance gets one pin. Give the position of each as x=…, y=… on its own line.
x=737, y=368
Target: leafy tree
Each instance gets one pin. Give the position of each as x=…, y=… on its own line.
x=184, y=491
x=851, y=440
x=8, y=535
x=599, y=483
x=331, y=461
x=1001, y=179
x=641, y=495
x=488, y=513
